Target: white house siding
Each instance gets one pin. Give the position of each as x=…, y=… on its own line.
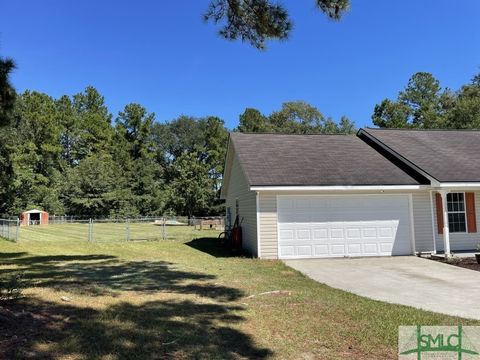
x=268, y=225
x=238, y=188
x=422, y=219
x=463, y=241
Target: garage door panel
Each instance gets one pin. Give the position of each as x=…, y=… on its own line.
x=287, y=251
x=321, y=250
x=320, y=234
x=303, y=234
x=386, y=248
x=370, y=248
x=386, y=232
x=369, y=233
x=354, y=233
x=287, y=234
x=304, y=250
x=337, y=233
x=355, y=249
x=337, y=249
x=333, y=226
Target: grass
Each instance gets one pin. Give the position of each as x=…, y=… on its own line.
x=103, y=231
x=187, y=298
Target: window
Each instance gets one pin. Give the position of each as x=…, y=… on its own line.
x=456, y=212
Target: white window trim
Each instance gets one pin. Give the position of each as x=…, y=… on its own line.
x=459, y=212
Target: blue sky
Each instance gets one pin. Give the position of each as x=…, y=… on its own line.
x=161, y=54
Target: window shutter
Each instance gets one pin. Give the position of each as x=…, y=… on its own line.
x=438, y=201
x=471, y=215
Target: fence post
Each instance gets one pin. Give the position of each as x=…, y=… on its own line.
x=90, y=230
x=17, y=230
x=127, y=230
x=164, y=228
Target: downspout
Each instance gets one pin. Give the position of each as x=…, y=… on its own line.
x=433, y=223
x=257, y=200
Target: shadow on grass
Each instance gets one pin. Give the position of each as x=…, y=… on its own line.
x=213, y=247
x=99, y=275
x=205, y=326
x=153, y=330
x=12, y=255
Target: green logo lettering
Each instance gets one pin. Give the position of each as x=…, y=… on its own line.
x=431, y=343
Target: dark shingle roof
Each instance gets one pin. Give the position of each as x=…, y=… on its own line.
x=282, y=160
x=446, y=155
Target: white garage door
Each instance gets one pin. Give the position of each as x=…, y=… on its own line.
x=337, y=226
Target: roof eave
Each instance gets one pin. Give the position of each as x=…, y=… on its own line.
x=337, y=187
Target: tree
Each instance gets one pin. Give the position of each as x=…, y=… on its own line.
x=465, y=108
x=253, y=121
x=71, y=133
x=7, y=101
x=7, y=92
x=91, y=187
x=422, y=97
x=391, y=114
x=207, y=139
x=35, y=154
x=135, y=125
x=295, y=117
x=214, y=153
x=185, y=134
x=189, y=192
x=346, y=126
x=257, y=21
x=94, y=124
x=134, y=150
x=422, y=104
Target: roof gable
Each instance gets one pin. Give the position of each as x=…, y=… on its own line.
x=445, y=155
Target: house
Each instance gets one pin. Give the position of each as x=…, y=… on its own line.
x=380, y=193
x=34, y=217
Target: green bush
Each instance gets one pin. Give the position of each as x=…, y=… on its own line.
x=11, y=287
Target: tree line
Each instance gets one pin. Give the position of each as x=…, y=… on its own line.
x=71, y=155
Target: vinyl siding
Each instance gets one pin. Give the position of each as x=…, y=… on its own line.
x=422, y=221
x=268, y=225
x=268, y=220
x=461, y=241
x=238, y=188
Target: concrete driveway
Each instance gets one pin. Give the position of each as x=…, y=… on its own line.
x=406, y=280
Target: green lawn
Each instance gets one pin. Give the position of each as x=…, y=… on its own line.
x=186, y=298
x=103, y=231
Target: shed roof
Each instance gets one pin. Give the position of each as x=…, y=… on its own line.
x=34, y=211
x=446, y=155
x=314, y=160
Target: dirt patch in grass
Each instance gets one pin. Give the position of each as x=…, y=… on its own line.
x=467, y=263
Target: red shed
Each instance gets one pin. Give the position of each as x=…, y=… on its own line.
x=34, y=217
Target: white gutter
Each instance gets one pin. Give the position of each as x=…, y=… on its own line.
x=341, y=188
x=459, y=185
